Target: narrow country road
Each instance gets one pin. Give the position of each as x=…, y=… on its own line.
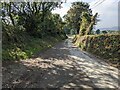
x=64, y=66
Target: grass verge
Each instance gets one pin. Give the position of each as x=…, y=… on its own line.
x=28, y=47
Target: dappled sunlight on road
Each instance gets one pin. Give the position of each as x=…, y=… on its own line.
x=102, y=74
x=71, y=64
x=60, y=69
x=64, y=66
x=60, y=73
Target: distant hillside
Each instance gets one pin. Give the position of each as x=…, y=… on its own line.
x=111, y=28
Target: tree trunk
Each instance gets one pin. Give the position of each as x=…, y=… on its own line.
x=90, y=27
x=10, y=15
x=12, y=19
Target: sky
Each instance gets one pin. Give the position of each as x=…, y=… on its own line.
x=107, y=10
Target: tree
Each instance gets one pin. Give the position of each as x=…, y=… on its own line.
x=31, y=15
x=104, y=32
x=7, y=11
x=73, y=17
x=98, y=31
x=87, y=23
x=93, y=22
x=86, y=20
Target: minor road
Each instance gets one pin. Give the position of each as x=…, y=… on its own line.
x=64, y=66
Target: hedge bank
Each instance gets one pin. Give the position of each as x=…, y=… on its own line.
x=105, y=46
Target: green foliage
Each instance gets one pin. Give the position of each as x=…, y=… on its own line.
x=29, y=27
x=106, y=46
x=29, y=47
x=87, y=23
x=104, y=32
x=86, y=19
x=113, y=31
x=35, y=17
x=73, y=17
x=98, y=31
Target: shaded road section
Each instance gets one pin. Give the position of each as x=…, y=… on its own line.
x=62, y=66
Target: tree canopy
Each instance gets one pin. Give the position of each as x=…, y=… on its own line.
x=73, y=17
x=80, y=18
x=35, y=17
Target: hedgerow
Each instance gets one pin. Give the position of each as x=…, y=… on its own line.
x=105, y=46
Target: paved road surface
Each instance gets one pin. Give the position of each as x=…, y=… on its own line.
x=64, y=66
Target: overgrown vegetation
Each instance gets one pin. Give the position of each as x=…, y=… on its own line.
x=101, y=43
x=29, y=27
x=73, y=18
x=106, y=46
x=27, y=48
